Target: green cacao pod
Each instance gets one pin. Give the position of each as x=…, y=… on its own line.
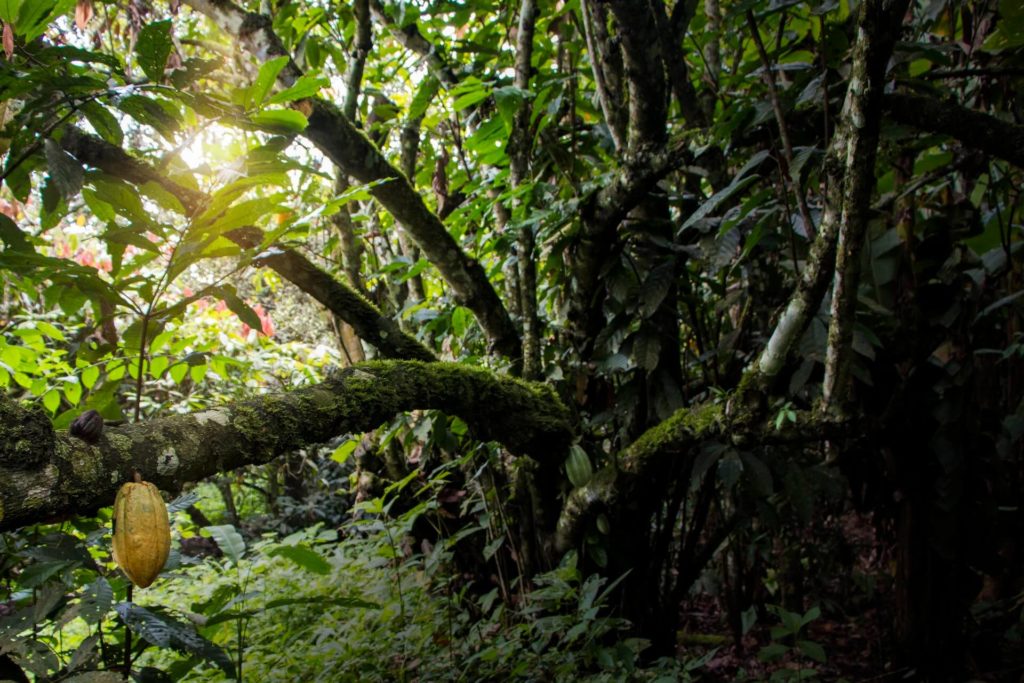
x=577, y=466
x=142, y=532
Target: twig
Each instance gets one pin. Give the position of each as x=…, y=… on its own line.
x=787, y=146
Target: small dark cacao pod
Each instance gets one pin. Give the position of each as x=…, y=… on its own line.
x=88, y=426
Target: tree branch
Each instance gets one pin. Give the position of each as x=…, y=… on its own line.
x=999, y=138
x=68, y=476
x=780, y=118
x=519, y=148
x=341, y=300
x=606, y=65
x=336, y=136
x=362, y=44
x=645, y=72
x=880, y=25
x=411, y=39
x=849, y=164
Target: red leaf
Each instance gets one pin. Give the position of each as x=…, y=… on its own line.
x=83, y=13
x=8, y=40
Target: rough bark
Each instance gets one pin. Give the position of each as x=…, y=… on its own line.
x=341, y=300
x=606, y=64
x=62, y=475
x=849, y=167
x=671, y=30
x=519, y=154
x=338, y=138
x=645, y=73
x=879, y=27
x=362, y=44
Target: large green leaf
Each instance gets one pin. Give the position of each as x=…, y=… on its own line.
x=153, y=47
x=103, y=122
x=65, y=170
x=307, y=86
x=164, y=631
x=304, y=556
x=280, y=121
x=228, y=540
x=9, y=10
x=12, y=236
x=265, y=80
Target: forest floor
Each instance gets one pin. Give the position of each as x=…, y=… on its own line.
x=854, y=629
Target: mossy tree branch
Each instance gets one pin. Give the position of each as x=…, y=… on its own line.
x=59, y=475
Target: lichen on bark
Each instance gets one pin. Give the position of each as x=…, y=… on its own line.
x=72, y=476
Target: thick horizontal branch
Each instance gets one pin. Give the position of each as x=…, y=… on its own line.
x=344, y=144
x=671, y=446
x=369, y=323
x=999, y=138
x=68, y=476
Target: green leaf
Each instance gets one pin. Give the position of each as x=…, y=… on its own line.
x=35, y=16
x=493, y=547
x=89, y=376
x=646, y=350
x=471, y=97
x=73, y=392
x=9, y=10
x=425, y=94
x=227, y=538
x=178, y=372
x=773, y=652
x=153, y=48
x=812, y=650
x=578, y=467
x=166, y=632
x=342, y=453
x=288, y=602
x=121, y=197
x=1009, y=33
x=51, y=399
x=304, y=556
x=656, y=287
x=307, y=86
x=265, y=79
x=717, y=200
x=508, y=99
x=65, y=170
x=103, y=122
x=237, y=306
x=162, y=197
x=280, y=121
x=157, y=366
x=322, y=600
x=153, y=113
x=12, y=236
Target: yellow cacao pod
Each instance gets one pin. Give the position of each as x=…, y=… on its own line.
x=142, y=532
